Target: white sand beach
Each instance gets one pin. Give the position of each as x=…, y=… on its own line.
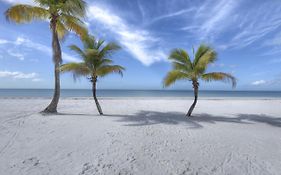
x=143, y=136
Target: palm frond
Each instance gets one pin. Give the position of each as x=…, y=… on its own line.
x=91, y=53
x=181, y=67
x=77, y=50
x=99, y=43
x=109, y=49
x=74, y=24
x=107, y=69
x=74, y=7
x=91, y=58
x=100, y=62
x=106, y=61
x=173, y=76
x=200, y=52
x=70, y=7
x=89, y=42
x=61, y=30
x=220, y=76
x=26, y=13
x=182, y=57
x=203, y=57
x=43, y=3
x=77, y=69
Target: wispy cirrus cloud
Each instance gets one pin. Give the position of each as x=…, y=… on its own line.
x=243, y=22
x=275, y=60
x=234, y=24
x=139, y=43
x=211, y=18
x=273, y=47
x=173, y=14
x=253, y=25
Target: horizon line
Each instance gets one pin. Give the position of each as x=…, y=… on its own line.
x=232, y=90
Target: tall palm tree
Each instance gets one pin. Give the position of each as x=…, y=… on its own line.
x=185, y=69
x=95, y=63
x=63, y=16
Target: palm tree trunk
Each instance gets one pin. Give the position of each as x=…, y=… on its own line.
x=94, y=89
x=52, y=107
x=195, y=88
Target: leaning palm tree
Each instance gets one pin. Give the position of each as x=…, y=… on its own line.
x=185, y=69
x=95, y=63
x=63, y=16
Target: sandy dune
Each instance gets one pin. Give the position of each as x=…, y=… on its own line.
x=143, y=136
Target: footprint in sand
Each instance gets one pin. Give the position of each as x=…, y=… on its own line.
x=31, y=161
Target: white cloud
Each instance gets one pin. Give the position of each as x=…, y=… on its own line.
x=19, y=75
x=36, y=79
x=13, y=53
x=218, y=65
x=140, y=43
x=259, y=82
x=274, y=61
x=27, y=43
x=18, y=1
x=277, y=80
x=2, y=41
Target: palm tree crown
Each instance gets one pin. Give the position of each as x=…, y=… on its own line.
x=66, y=14
x=96, y=59
x=185, y=69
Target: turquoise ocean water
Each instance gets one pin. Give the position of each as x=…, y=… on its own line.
x=6, y=93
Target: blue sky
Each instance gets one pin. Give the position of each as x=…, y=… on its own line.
x=245, y=33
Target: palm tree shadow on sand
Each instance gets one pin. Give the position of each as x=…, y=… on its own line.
x=143, y=118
